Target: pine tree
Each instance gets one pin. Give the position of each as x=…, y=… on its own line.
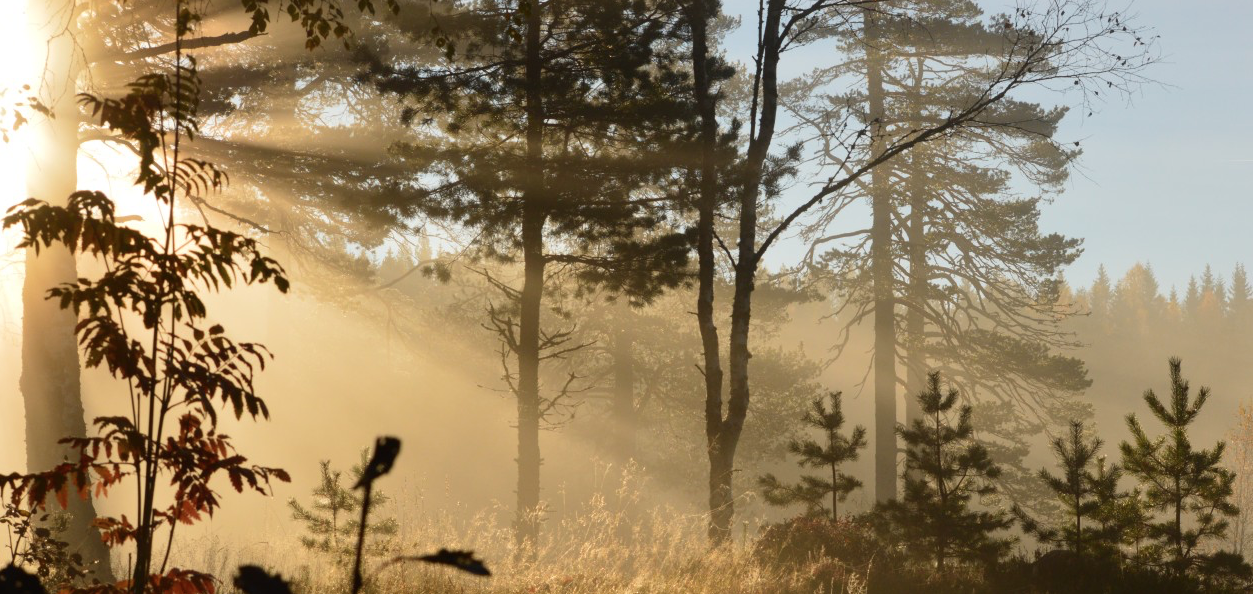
x=1192, y=299
x=1121, y=515
x=332, y=519
x=948, y=234
x=946, y=467
x=1238, y=298
x=814, y=489
x=1239, y=289
x=1101, y=293
x=541, y=137
x=1084, y=487
x=1137, y=302
x=1209, y=282
x=1188, y=484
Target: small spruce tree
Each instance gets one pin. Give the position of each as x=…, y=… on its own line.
x=1189, y=485
x=813, y=490
x=945, y=467
x=1086, y=487
x=331, y=521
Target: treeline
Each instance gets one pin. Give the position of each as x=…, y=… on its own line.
x=1209, y=309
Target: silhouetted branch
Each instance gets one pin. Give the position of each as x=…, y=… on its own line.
x=187, y=44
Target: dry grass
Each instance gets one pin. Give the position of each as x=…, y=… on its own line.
x=608, y=544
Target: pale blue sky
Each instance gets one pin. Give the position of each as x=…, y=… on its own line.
x=1166, y=178
x=1169, y=178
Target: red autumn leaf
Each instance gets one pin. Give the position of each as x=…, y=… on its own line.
x=63, y=494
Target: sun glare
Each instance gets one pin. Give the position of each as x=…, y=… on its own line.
x=13, y=74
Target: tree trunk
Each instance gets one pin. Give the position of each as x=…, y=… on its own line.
x=941, y=545
x=533, y=218
x=624, y=412
x=729, y=429
x=50, y=384
x=1078, y=529
x=835, y=494
x=719, y=472
x=915, y=323
x=528, y=520
x=916, y=247
x=1178, y=535
x=881, y=275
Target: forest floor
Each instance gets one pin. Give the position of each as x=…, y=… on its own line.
x=601, y=552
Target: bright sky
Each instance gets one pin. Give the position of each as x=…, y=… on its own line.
x=1170, y=177
x=1166, y=179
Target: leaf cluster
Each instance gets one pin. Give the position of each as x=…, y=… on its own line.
x=35, y=542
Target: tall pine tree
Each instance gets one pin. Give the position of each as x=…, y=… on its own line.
x=953, y=267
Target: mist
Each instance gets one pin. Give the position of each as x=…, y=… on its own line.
x=614, y=296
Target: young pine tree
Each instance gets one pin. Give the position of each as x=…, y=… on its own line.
x=945, y=467
x=1086, y=488
x=813, y=490
x=1188, y=484
x=333, y=518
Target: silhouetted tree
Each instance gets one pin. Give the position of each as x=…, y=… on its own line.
x=946, y=467
x=1186, y=483
x=666, y=396
x=539, y=133
x=1101, y=293
x=813, y=490
x=1241, y=294
x=187, y=365
x=100, y=47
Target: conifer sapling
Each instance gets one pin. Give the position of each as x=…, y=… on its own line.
x=1084, y=487
x=813, y=490
x=331, y=520
x=1189, y=485
x=946, y=467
